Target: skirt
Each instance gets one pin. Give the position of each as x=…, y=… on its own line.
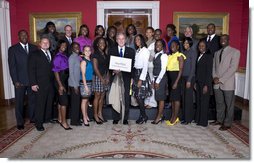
x=145, y=90
x=83, y=92
x=174, y=94
x=97, y=85
x=161, y=92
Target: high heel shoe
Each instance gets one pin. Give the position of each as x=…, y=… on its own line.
x=87, y=125
x=172, y=124
x=66, y=128
x=98, y=122
x=102, y=120
x=141, y=120
x=159, y=121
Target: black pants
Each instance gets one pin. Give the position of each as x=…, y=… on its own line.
x=202, y=105
x=187, y=100
x=44, y=104
x=75, y=107
x=19, y=107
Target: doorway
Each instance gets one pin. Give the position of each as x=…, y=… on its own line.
x=123, y=13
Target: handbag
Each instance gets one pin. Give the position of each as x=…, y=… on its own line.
x=83, y=91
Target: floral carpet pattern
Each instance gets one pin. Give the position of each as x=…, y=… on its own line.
x=128, y=141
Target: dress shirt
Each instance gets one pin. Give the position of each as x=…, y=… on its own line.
x=212, y=36
x=74, y=70
x=141, y=61
x=164, y=61
x=48, y=52
x=200, y=56
x=69, y=39
x=27, y=47
x=123, y=50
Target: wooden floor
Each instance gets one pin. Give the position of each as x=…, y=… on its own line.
x=8, y=120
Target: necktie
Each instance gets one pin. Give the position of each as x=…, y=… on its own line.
x=121, y=52
x=221, y=54
x=70, y=41
x=26, y=49
x=47, y=55
x=209, y=40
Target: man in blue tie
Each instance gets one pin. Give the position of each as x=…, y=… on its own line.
x=122, y=51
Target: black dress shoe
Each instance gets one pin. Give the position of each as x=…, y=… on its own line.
x=214, y=123
x=125, y=122
x=20, y=127
x=40, y=128
x=224, y=128
x=115, y=122
x=32, y=121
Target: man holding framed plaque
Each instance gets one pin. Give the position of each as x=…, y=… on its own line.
x=121, y=66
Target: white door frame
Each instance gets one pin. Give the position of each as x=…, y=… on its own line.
x=153, y=5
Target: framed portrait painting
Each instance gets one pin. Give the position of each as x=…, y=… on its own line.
x=39, y=20
x=199, y=21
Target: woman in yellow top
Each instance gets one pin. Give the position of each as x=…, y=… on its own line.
x=174, y=71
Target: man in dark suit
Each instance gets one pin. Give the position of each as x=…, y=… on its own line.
x=213, y=45
x=122, y=51
x=68, y=38
x=212, y=40
x=17, y=60
x=41, y=78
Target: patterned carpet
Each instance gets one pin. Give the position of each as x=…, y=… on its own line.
x=132, y=141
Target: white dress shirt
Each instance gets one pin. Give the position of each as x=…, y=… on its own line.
x=212, y=36
x=164, y=62
x=46, y=54
x=23, y=45
x=200, y=56
x=141, y=61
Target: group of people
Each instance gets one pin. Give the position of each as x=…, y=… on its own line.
x=161, y=69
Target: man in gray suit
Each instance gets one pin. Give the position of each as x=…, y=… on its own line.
x=225, y=64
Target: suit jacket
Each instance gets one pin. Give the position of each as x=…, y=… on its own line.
x=128, y=53
x=214, y=45
x=40, y=70
x=204, y=69
x=68, y=49
x=225, y=70
x=18, y=61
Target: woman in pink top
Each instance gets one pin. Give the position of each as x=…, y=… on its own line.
x=83, y=37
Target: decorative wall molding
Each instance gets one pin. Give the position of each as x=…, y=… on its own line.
x=153, y=5
x=5, y=36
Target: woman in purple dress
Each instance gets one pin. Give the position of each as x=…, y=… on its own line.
x=61, y=71
x=83, y=37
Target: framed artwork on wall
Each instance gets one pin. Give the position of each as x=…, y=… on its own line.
x=199, y=21
x=38, y=21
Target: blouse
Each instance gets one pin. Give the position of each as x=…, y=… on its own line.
x=173, y=63
x=60, y=62
x=141, y=61
x=83, y=41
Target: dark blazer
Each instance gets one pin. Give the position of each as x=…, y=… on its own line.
x=204, y=69
x=214, y=45
x=68, y=49
x=128, y=53
x=18, y=61
x=40, y=70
